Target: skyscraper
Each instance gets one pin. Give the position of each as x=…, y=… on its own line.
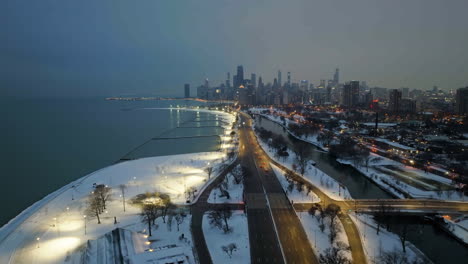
x=239, y=77
x=394, y=100
x=336, y=77
x=351, y=94
x=279, y=78
x=462, y=101
x=228, y=80
x=187, y=90
x=253, y=79
x=289, y=79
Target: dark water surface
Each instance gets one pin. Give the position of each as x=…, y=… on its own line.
x=47, y=143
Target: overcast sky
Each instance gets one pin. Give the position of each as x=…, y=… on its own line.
x=131, y=47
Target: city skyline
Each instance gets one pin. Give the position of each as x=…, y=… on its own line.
x=125, y=48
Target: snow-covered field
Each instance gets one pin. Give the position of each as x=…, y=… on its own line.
x=235, y=190
x=315, y=176
x=392, y=184
x=320, y=240
x=54, y=227
x=60, y=223
x=374, y=245
x=294, y=195
x=215, y=239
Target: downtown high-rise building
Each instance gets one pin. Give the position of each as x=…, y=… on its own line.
x=279, y=78
x=239, y=79
x=187, y=90
x=336, y=77
x=351, y=94
x=253, y=80
x=228, y=80
x=289, y=79
x=394, y=101
x=461, y=101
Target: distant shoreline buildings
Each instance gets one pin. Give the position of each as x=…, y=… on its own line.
x=350, y=95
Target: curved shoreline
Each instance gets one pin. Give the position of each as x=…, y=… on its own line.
x=34, y=209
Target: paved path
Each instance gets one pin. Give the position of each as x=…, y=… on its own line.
x=199, y=208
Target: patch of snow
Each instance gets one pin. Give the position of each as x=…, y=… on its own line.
x=294, y=195
x=216, y=238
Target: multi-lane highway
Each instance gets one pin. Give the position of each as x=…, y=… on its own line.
x=276, y=234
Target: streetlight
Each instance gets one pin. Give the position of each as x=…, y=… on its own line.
x=37, y=239
x=84, y=217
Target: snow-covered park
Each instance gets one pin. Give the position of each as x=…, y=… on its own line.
x=56, y=229
x=230, y=190
x=238, y=235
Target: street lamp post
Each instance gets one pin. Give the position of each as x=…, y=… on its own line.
x=84, y=218
x=38, y=239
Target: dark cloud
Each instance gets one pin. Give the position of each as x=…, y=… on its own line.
x=112, y=47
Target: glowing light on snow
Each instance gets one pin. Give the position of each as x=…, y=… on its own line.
x=71, y=225
x=56, y=249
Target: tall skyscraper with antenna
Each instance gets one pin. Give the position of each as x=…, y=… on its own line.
x=279, y=78
x=336, y=76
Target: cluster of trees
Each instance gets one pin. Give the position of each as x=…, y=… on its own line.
x=97, y=201
x=326, y=137
x=304, y=130
x=331, y=212
x=299, y=185
x=346, y=148
x=335, y=255
x=154, y=205
x=219, y=218
x=237, y=175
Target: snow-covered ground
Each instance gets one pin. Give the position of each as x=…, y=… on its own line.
x=216, y=238
x=392, y=184
x=458, y=228
x=60, y=223
x=54, y=227
x=384, y=180
x=315, y=176
x=320, y=240
x=374, y=245
x=235, y=190
x=294, y=195
x=166, y=243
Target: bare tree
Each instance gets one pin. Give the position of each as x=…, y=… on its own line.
x=335, y=229
x=228, y=249
x=179, y=217
x=238, y=174
x=166, y=205
x=123, y=189
x=220, y=217
x=104, y=192
x=148, y=214
x=94, y=206
x=302, y=158
x=191, y=191
x=209, y=171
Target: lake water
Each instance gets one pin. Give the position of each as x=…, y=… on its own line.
x=47, y=143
